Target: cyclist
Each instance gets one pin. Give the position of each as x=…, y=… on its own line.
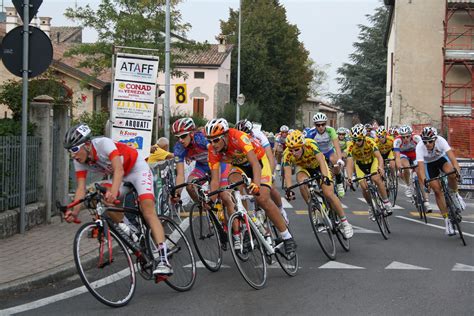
x=305, y=155
x=280, y=139
x=123, y=163
x=247, y=127
x=326, y=138
x=404, y=147
x=393, y=131
x=247, y=156
x=343, y=138
x=435, y=155
x=370, y=130
x=192, y=146
x=364, y=154
x=385, y=145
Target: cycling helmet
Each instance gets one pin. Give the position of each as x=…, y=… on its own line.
x=77, y=135
x=368, y=126
x=319, y=117
x=291, y=131
x=183, y=126
x=358, y=131
x=216, y=127
x=342, y=130
x=244, y=125
x=429, y=133
x=284, y=128
x=295, y=139
x=381, y=131
x=393, y=131
x=405, y=130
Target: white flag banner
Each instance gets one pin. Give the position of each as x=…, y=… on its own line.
x=134, y=95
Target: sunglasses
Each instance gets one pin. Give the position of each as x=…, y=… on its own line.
x=406, y=137
x=357, y=140
x=341, y=134
x=320, y=125
x=294, y=150
x=428, y=142
x=75, y=149
x=182, y=136
x=215, y=140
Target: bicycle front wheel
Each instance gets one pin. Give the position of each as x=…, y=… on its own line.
x=321, y=225
x=289, y=266
x=419, y=202
x=250, y=259
x=205, y=237
x=338, y=231
x=104, y=265
x=180, y=255
x=455, y=217
x=380, y=218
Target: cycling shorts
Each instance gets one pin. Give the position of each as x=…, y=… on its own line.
x=432, y=169
x=312, y=171
x=388, y=155
x=365, y=169
x=265, y=178
x=329, y=153
x=199, y=172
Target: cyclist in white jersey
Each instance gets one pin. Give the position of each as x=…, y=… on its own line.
x=434, y=155
x=123, y=163
x=247, y=127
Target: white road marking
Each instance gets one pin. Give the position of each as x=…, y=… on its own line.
x=199, y=264
x=463, y=267
x=429, y=224
x=362, y=230
x=344, y=205
x=396, y=207
x=403, y=266
x=285, y=203
x=440, y=218
x=338, y=265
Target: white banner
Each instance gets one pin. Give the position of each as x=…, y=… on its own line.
x=134, y=100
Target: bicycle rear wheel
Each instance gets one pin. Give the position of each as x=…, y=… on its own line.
x=338, y=231
x=290, y=267
x=205, y=237
x=455, y=218
x=105, y=266
x=180, y=255
x=250, y=260
x=322, y=228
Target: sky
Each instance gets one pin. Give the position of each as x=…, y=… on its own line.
x=328, y=28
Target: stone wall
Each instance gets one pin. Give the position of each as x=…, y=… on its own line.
x=35, y=214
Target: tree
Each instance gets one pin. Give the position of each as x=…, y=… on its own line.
x=363, y=81
x=318, y=86
x=275, y=68
x=137, y=23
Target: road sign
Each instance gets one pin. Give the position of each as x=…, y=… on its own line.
x=40, y=47
x=181, y=93
x=34, y=6
x=241, y=99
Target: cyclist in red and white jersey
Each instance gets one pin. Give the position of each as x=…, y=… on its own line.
x=123, y=163
x=280, y=145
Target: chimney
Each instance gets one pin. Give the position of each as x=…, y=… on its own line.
x=45, y=25
x=221, y=47
x=12, y=19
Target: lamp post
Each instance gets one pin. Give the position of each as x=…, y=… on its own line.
x=238, y=63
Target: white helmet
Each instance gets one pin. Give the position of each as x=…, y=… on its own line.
x=342, y=130
x=284, y=128
x=405, y=130
x=216, y=127
x=320, y=117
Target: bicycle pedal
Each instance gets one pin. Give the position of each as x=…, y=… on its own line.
x=160, y=278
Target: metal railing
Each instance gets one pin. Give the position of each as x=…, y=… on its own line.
x=10, y=171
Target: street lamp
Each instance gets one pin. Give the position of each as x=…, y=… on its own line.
x=238, y=64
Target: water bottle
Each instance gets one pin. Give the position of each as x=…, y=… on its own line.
x=220, y=212
x=258, y=223
x=130, y=230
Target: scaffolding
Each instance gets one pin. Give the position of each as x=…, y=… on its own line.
x=458, y=75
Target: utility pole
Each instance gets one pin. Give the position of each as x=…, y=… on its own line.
x=238, y=63
x=166, y=125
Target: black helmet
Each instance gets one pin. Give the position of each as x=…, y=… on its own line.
x=244, y=126
x=77, y=135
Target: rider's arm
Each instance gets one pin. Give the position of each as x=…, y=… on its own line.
x=117, y=177
x=256, y=169
x=350, y=167
x=398, y=163
x=214, y=185
x=287, y=171
x=179, y=175
x=453, y=160
x=80, y=193
x=323, y=166
x=420, y=171
x=335, y=141
x=380, y=159
x=271, y=157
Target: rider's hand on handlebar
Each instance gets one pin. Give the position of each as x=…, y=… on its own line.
x=290, y=195
x=253, y=188
x=71, y=217
x=341, y=163
x=175, y=198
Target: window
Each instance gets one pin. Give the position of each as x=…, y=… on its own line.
x=198, y=107
x=199, y=75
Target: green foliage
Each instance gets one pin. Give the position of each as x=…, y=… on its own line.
x=11, y=92
x=96, y=121
x=363, y=81
x=11, y=127
x=275, y=68
x=250, y=111
x=139, y=23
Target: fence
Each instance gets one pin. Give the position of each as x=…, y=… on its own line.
x=10, y=166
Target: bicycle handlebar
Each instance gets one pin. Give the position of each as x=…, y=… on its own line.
x=367, y=176
x=316, y=177
x=410, y=167
x=89, y=195
x=194, y=181
x=441, y=176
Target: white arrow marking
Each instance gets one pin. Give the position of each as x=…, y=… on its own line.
x=199, y=264
x=403, y=266
x=362, y=230
x=396, y=207
x=338, y=265
x=429, y=224
x=285, y=203
x=463, y=267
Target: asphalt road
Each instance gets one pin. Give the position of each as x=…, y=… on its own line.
x=417, y=271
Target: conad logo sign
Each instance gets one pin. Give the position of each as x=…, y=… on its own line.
x=134, y=86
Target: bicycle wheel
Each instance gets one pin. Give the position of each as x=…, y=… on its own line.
x=419, y=202
x=455, y=217
x=392, y=185
x=205, y=237
x=163, y=205
x=322, y=228
x=290, y=267
x=250, y=260
x=105, y=266
x=380, y=218
x=180, y=255
x=338, y=231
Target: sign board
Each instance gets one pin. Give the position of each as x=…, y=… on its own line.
x=34, y=6
x=467, y=174
x=181, y=93
x=134, y=94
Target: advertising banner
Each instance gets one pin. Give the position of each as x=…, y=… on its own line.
x=133, y=102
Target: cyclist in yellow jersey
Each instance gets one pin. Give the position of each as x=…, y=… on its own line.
x=385, y=144
x=305, y=155
x=362, y=152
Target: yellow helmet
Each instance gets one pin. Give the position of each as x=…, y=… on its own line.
x=295, y=139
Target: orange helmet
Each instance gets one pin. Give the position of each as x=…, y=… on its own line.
x=216, y=127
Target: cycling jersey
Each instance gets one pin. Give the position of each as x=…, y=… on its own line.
x=197, y=151
x=280, y=142
x=365, y=153
x=308, y=157
x=260, y=136
x=386, y=147
x=324, y=140
x=407, y=149
x=441, y=147
x=343, y=143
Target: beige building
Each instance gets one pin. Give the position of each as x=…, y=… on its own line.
x=336, y=116
x=430, y=68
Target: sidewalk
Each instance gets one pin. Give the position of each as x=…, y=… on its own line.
x=40, y=256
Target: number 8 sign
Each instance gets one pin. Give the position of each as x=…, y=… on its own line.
x=181, y=95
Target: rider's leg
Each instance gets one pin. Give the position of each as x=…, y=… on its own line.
x=190, y=187
x=300, y=177
x=328, y=191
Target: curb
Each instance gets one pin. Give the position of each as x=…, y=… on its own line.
x=39, y=280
